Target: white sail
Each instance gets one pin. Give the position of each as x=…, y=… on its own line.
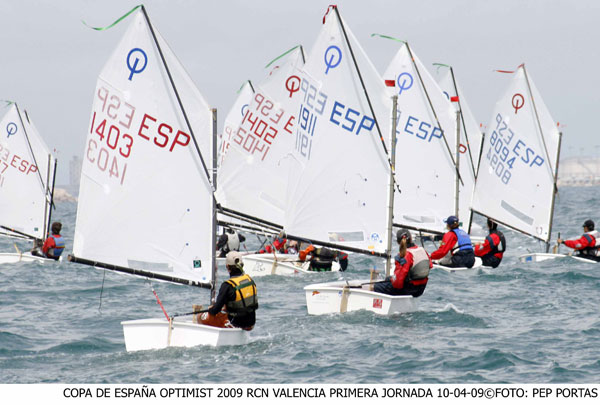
x=426, y=134
x=234, y=118
x=253, y=177
x=471, y=138
x=340, y=189
x=26, y=175
x=145, y=199
x=516, y=179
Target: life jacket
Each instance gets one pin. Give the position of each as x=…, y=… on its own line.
x=246, y=299
x=420, y=268
x=463, y=243
x=594, y=241
x=233, y=242
x=59, y=241
x=322, y=259
x=501, y=247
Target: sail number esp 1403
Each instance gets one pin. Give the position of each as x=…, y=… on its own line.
x=111, y=126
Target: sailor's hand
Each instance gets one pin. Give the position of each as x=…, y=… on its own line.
x=559, y=241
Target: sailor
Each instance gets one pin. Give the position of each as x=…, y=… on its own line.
x=322, y=258
x=493, y=248
x=229, y=242
x=411, y=269
x=586, y=246
x=278, y=245
x=54, y=245
x=456, y=249
x=238, y=295
x=292, y=247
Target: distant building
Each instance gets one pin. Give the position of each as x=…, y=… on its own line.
x=75, y=172
x=579, y=171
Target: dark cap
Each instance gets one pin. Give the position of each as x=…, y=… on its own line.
x=589, y=224
x=402, y=232
x=451, y=220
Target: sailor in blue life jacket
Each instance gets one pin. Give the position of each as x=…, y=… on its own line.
x=229, y=241
x=54, y=245
x=588, y=246
x=456, y=249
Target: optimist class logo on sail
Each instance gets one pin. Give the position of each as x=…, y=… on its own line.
x=11, y=129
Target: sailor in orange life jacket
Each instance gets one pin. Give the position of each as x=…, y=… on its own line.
x=493, y=248
x=588, y=245
x=412, y=265
x=322, y=258
x=54, y=245
x=238, y=295
x=456, y=249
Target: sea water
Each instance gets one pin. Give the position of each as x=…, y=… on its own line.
x=520, y=323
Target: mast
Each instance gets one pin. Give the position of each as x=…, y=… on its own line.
x=554, y=192
x=213, y=237
x=462, y=119
x=457, y=189
x=46, y=192
x=390, y=219
x=52, y=194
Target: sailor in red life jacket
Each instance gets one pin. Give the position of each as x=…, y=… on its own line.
x=54, y=244
x=278, y=245
x=588, y=245
x=493, y=248
x=456, y=249
x=411, y=270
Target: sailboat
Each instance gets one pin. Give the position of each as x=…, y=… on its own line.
x=255, y=173
x=345, y=198
x=27, y=173
x=428, y=129
x=516, y=182
x=146, y=204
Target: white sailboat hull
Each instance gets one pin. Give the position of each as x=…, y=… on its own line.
x=541, y=257
x=463, y=270
x=152, y=334
x=332, y=298
x=11, y=258
x=263, y=264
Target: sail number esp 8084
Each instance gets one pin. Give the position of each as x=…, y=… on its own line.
x=503, y=153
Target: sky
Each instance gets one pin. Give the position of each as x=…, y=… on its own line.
x=50, y=61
